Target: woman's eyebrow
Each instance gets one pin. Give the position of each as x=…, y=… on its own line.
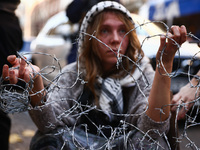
x=108, y=25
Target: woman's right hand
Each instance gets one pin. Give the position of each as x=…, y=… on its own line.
x=20, y=69
x=27, y=72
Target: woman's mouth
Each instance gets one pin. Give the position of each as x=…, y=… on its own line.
x=113, y=51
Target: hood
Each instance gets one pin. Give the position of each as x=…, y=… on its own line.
x=96, y=9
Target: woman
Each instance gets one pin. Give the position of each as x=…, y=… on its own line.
x=110, y=98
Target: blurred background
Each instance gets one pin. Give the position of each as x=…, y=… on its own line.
x=34, y=13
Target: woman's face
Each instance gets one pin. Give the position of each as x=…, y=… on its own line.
x=111, y=32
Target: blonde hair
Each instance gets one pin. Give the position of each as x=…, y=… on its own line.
x=90, y=56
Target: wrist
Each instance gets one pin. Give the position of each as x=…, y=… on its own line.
x=164, y=68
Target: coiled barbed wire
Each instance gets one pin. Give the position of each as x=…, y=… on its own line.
x=16, y=98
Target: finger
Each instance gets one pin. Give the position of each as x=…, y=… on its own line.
x=184, y=109
x=175, y=102
x=12, y=77
x=22, y=68
x=174, y=108
x=5, y=71
x=12, y=59
x=176, y=98
x=162, y=42
x=176, y=34
x=182, y=113
x=170, y=40
x=183, y=32
x=27, y=75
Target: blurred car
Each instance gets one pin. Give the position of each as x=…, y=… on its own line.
x=53, y=43
x=26, y=50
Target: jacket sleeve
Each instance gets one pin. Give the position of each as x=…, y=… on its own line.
x=61, y=106
x=138, y=104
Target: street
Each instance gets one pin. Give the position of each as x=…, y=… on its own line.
x=23, y=129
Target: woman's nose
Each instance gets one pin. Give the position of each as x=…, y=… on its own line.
x=115, y=37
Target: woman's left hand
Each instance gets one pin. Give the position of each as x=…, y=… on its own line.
x=175, y=38
x=160, y=91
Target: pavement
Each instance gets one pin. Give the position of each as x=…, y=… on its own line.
x=23, y=129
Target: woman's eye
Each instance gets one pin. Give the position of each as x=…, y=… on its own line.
x=122, y=31
x=104, y=31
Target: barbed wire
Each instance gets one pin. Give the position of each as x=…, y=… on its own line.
x=17, y=98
